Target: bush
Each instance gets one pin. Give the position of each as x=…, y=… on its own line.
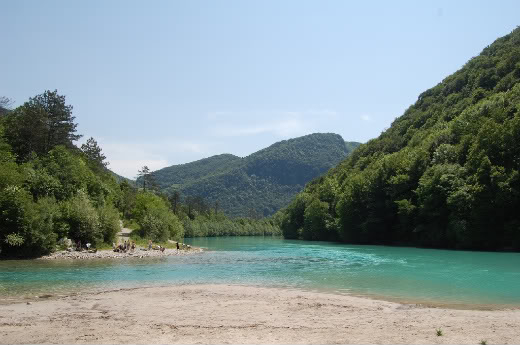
x=160, y=225
x=155, y=219
x=83, y=219
x=26, y=228
x=109, y=222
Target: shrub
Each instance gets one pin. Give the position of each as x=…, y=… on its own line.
x=26, y=228
x=155, y=219
x=83, y=219
x=109, y=222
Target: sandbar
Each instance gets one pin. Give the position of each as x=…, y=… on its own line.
x=222, y=313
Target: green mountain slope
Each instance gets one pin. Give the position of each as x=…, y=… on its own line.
x=445, y=174
x=182, y=174
x=260, y=184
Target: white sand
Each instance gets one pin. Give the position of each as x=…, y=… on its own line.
x=241, y=314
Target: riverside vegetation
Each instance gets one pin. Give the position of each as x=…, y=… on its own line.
x=445, y=174
x=50, y=189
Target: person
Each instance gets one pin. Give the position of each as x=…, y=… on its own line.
x=133, y=246
x=162, y=249
x=150, y=245
x=78, y=245
x=177, y=245
x=88, y=246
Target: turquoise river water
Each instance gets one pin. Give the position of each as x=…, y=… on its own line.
x=413, y=275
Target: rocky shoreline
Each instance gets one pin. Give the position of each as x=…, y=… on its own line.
x=110, y=254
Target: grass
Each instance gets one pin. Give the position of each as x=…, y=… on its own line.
x=103, y=246
x=439, y=332
x=483, y=342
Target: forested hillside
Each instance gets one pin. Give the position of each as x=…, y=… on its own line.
x=51, y=190
x=182, y=174
x=259, y=184
x=445, y=174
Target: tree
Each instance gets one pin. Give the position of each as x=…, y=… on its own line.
x=144, y=175
x=127, y=201
x=93, y=152
x=42, y=123
x=174, y=198
x=315, y=217
x=190, y=203
x=5, y=103
x=61, y=128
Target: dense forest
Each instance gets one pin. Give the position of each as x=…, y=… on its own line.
x=259, y=184
x=445, y=174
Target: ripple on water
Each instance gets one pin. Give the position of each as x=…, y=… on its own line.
x=393, y=273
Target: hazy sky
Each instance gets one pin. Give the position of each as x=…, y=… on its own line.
x=169, y=82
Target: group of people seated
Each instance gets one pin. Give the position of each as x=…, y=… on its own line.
x=124, y=247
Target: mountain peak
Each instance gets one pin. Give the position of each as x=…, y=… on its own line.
x=264, y=181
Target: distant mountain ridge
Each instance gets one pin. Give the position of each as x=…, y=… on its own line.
x=261, y=183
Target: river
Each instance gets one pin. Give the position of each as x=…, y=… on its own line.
x=462, y=279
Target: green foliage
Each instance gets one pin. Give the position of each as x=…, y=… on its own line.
x=45, y=121
x=438, y=331
x=293, y=222
x=445, y=174
x=315, y=220
x=93, y=153
x=26, y=228
x=108, y=222
x=48, y=188
x=83, y=220
x=156, y=221
x=14, y=240
x=125, y=203
x=221, y=225
x=261, y=183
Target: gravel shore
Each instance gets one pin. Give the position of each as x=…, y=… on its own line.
x=109, y=254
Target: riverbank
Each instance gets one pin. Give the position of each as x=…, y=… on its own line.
x=110, y=254
x=244, y=314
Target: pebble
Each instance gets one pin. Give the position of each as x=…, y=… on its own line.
x=109, y=254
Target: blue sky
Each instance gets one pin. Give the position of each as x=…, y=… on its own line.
x=169, y=82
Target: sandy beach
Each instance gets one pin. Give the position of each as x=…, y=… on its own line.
x=216, y=314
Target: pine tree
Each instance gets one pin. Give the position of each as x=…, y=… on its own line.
x=93, y=152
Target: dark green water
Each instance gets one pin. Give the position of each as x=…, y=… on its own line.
x=457, y=278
